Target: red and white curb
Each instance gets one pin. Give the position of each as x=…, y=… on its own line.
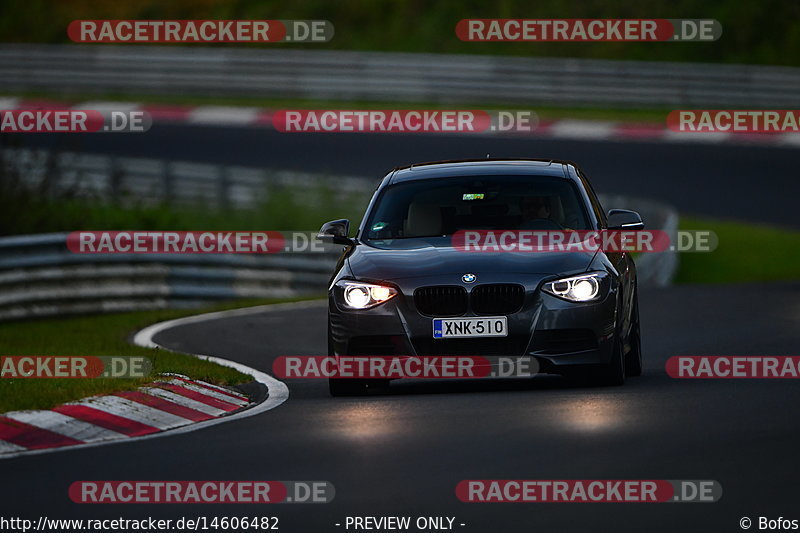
x=175, y=404
x=238, y=116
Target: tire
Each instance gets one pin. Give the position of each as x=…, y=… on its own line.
x=613, y=373
x=633, y=359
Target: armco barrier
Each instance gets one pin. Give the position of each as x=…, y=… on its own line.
x=389, y=77
x=39, y=276
x=148, y=180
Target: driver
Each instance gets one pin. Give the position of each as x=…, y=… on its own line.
x=534, y=209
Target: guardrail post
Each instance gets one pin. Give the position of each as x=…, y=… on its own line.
x=115, y=181
x=223, y=188
x=169, y=183
x=51, y=176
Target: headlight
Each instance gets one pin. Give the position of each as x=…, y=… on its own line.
x=359, y=295
x=583, y=288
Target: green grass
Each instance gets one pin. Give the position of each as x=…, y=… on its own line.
x=98, y=335
x=746, y=252
x=24, y=211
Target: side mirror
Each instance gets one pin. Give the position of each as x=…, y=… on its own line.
x=624, y=219
x=335, y=231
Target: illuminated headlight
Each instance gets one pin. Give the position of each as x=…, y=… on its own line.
x=359, y=295
x=583, y=288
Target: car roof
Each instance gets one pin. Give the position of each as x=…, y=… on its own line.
x=480, y=167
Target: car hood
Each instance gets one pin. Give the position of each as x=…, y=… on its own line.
x=386, y=264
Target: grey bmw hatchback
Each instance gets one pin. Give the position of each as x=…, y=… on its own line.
x=404, y=285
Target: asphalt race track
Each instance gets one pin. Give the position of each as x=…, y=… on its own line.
x=403, y=453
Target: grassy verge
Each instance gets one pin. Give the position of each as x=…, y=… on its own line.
x=626, y=114
x=746, y=253
x=97, y=335
x=24, y=211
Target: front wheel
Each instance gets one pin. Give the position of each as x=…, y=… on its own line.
x=613, y=373
x=633, y=359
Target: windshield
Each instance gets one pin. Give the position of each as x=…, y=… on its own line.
x=440, y=207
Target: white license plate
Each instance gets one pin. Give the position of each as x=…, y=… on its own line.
x=489, y=326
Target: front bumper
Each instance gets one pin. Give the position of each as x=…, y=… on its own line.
x=560, y=335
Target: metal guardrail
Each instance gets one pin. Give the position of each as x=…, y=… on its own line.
x=155, y=181
x=376, y=76
x=39, y=276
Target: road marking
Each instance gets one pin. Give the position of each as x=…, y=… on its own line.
x=206, y=393
x=31, y=437
x=583, y=129
x=65, y=425
x=145, y=336
x=105, y=106
x=8, y=447
x=172, y=409
x=145, y=416
x=226, y=392
x=208, y=400
x=694, y=136
x=224, y=115
x=135, y=411
x=183, y=400
x=565, y=128
x=107, y=420
x=9, y=103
